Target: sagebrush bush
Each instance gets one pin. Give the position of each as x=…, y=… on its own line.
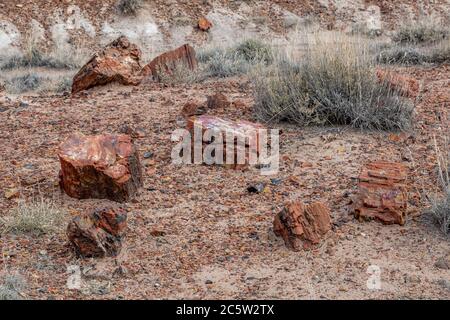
x=236, y=60
x=129, y=7
x=440, y=211
x=181, y=74
x=401, y=55
x=253, y=50
x=415, y=55
x=23, y=83
x=424, y=30
x=440, y=206
x=38, y=216
x=11, y=286
x=334, y=82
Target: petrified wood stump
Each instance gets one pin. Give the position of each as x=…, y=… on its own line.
x=103, y=166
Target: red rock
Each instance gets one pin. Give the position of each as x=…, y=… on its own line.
x=382, y=195
x=104, y=166
x=117, y=62
x=168, y=62
x=98, y=233
x=204, y=24
x=216, y=101
x=192, y=108
x=302, y=226
x=406, y=85
x=241, y=131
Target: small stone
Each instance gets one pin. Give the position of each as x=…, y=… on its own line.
x=208, y=282
x=157, y=233
x=276, y=181
x=11, y=193
x=204, y=24
x=216, y=101
x=23, y=104
x=257, y=188
x=148, y=154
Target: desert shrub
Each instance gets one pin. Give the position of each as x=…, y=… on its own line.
x=440, y=206
x=28, y=82
x=181, y=74
x=440, y=53
x=401, y=55
x=236, y=60
x=34, y=56
x=129, y=7
x=440, y=211
x=38, y=216
x=253, y=50
x=424, y=30
x=334, y=82
x=414, y=55
x=11, y=286
x=64, y=85
x=222, y=64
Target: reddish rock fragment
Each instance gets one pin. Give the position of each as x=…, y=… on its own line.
x=117, y=62
x=406, y=85
x=103, y=166
x=169, y=61
x=216, y=101
x=382, y=195
x=302, y=226
x=192, y=108
x=98, y=233
x=204, y=24
x=245, y=137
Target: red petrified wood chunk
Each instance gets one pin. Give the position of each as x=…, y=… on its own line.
x=117, y=62
x=245, y=136
x=218, y=100
x=406, y=85
x=382, y=194
x=104, y=166
x=98, y=233
x=302, y=226
x=169, y=61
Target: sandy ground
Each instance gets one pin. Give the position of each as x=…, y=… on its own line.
x=217, y=240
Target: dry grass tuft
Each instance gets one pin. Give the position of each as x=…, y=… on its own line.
x=38, y=216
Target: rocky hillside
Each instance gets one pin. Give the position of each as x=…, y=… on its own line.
x=159, y=24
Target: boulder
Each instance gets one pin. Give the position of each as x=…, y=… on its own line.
x=245, y=131
x=169, y=61
x=103, y=166
x=98, y=233
x=382, y=195
x=406, y=85
x=204, y=24
x=117, y=62
x=302, y=226
x=217, y=101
